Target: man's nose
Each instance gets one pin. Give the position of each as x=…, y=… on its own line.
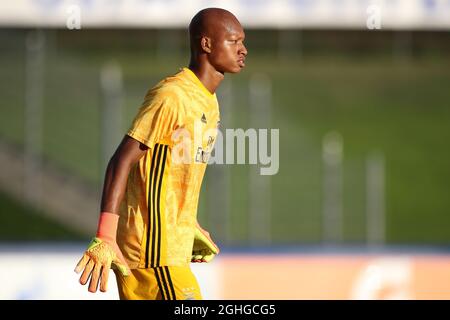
x=243, y=50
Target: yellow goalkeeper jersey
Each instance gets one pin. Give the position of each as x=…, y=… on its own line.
x=178, y=121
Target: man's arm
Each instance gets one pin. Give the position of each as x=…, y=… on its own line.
x=103, y=252
x=127, y=154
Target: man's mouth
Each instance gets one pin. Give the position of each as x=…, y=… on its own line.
x=241, y=62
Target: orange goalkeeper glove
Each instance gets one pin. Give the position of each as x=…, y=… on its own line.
x=102, y=254
x=204, y=249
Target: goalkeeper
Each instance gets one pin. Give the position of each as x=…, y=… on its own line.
x=148, y=231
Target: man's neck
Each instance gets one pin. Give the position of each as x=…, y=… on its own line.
x=210, y=77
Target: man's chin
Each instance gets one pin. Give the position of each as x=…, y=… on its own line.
x=236, y=70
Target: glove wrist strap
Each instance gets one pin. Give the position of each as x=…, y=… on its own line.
x=107, y=226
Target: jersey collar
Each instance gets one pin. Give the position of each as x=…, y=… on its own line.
x=197, y=81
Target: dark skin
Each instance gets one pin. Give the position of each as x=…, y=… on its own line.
x=127, y=154
x=217, y=46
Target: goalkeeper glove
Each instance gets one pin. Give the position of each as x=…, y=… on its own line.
x=102, y=254
x=204, y=248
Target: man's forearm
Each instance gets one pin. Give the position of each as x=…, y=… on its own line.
x=115, y=185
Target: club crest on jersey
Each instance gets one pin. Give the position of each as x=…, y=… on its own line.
x=202, y=156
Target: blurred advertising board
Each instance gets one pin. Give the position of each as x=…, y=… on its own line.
x=47, y=273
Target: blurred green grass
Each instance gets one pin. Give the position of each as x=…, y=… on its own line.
x=378, y=102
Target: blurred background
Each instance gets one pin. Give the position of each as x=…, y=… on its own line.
x=360, y=93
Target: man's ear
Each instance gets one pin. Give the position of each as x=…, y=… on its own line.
x=206, y=44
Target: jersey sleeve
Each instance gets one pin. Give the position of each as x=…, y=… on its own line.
x=158, y=117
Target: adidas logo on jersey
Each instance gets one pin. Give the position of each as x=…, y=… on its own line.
x=203, y=118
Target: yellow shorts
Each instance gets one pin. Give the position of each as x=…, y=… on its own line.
x=160, y=283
